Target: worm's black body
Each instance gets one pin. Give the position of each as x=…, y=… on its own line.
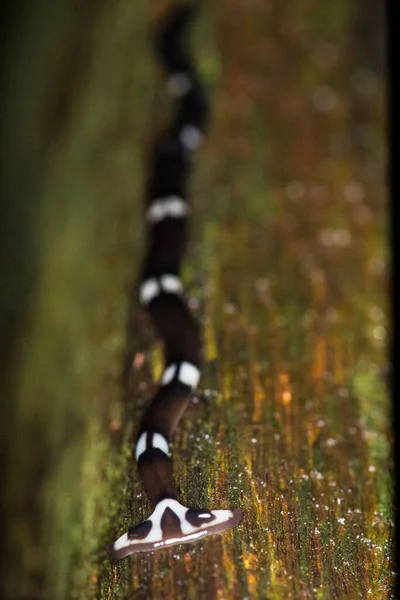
x=162, y=294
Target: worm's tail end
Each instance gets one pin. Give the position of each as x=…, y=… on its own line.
x=172, y=523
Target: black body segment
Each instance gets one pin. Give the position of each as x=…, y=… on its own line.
x=161, y=293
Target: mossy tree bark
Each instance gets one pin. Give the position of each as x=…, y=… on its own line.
x=288, y=274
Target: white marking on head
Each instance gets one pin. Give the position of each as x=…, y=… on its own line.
x=168, y=374
x=179, y=84
x=176, y=508
x=191, y=137
x=170, y=206
x=221, y=516
x=141, y=445
x=189, y=532
x=149, y=290
x=160, y=443
x=121, y=542
x=185, y=538
x=189, y=374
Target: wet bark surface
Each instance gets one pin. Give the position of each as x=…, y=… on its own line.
x=287, y=272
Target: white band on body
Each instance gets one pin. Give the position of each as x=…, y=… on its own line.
x=141, y=445
x=188, y=374
x=171, y=284
x=160, y=443
x=179, y=84
x=157, y=440
x=191, y=137
x=149, y=290
x=170, y=206
x=168, y=374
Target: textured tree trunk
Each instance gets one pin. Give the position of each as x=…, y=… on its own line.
x=288, y=274
x=74, y=107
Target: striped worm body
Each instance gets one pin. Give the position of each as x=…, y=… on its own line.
x=161, y=293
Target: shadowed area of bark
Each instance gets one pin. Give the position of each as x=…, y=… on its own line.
x=287, y=273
